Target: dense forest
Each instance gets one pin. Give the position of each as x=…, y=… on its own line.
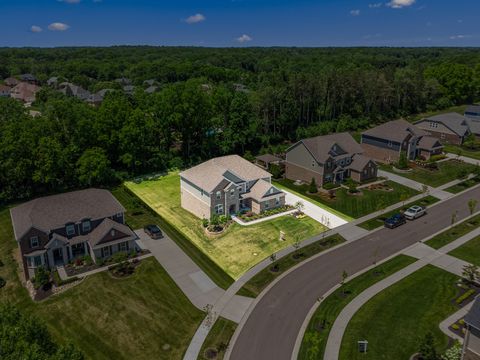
x=210, y=102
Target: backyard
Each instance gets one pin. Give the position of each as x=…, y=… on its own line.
x=147, y=312
x=316, y=334
x=239, y=247
x=414, y=306
x=446, y=172
x=352, y=206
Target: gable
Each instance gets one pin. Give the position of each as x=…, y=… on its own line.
x=117, y=234
x=299, y=154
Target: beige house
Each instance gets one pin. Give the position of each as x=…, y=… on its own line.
x=450, y=128
x=328, y=159
x=228, y=185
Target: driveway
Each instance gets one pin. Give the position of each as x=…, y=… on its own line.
x=270, y=330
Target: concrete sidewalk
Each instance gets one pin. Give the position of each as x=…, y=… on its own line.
x=464, y=158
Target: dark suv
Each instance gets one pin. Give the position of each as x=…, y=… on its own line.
x=395, y=221
x=153, y=231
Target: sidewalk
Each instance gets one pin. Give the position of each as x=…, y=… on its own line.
x=464, y=158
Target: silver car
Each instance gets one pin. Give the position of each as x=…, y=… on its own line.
x=414, y=212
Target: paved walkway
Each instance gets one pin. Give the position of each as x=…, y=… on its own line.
x=464, y=158
x=267, y=218
x=460, y=314
x=426, y=255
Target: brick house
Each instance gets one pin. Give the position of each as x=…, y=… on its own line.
x=53, y=230
x=329, y=158
x=450, y=128
x=386, y=142
x=228, y=185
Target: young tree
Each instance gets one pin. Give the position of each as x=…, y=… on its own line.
x=454, y=218
x=427, y=348
x=403, y=161
x=299, y=206
x=470, y=272
x=472, y=205
x=344, y=277
x=312, y=189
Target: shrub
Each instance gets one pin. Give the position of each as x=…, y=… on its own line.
x=204, y=222
x=465, y=296
x=41, y=278
x=276, y=171
x=2, y=282
x=223, y=219
x=402, y=161
x=435, y=158
x=87, y=260
x=329, y=186
x=455, y=327
x=312, y=188
x=119, y=257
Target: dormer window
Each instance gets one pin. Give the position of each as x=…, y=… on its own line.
x=70, y=229
x=218, y=195
x=86, y=226
x=34, y=241
x=112, y=232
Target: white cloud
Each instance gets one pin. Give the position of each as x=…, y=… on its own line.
x=375, y=5
x=35, y=29
x=244, y=38
x=355, y=12
x=58, y=26
x=70, y=1
x=459, y=37
x=195, y=19
x=398, y=4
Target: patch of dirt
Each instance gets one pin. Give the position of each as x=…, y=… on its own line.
x=211, y=353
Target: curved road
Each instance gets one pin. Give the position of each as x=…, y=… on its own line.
x=272, y=327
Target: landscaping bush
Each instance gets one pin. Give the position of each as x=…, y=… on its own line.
x=123, y=269
x=87, y=260
x=352, y=186
x=205, y=222
x=312, y=188
x=59, y=282
x=119, y=257
x=330, y=186
x=465, y=296
x=41, y=278
x=2, y=282
x=276, y=171
x=435, y=158
x=402, y=163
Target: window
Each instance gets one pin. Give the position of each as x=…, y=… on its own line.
x=37, y=261
x=106, y=251
x=239, y=189
x=433, y=125
x=219, y=209
x=86, y=226
x=442, y=136
x=232, y=193
x=365, y=171
x=34, y=241
x=218, y=195
x=277, y=201
x=267, y=204
x=313, y=163
x=123, y=246
x=112, y=232
x=70, y=229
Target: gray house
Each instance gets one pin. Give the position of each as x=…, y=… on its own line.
x=450, y=128
x=53, y=230
x=473, y=112
x=471, y=343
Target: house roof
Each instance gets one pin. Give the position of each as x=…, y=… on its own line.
x=268, y=158
x=396, y=130
x=103, y=92
x=260, y=189
x=104, y=228
x=28, y=77
x=474, y=126
x=4, y=88
x=320, y=146
x=75, y=90
x=25, y=91
x=455, y=122
x=11, y=81
x=359, y=162
x=473, y=110
x=473, y=316
x=151, y=89
x=429, y=143
x=53, y=212
x=209, y=174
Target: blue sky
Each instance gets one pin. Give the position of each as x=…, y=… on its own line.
x=48, y=23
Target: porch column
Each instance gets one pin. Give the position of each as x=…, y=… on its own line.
x=50, y=258
x=85, y=248
x=70, y=254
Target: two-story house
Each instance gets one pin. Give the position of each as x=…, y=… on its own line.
x=328, y=159
x=54, y=230
x=471, y=342
x=228, y=185
x=386, y=142
x=450, y=128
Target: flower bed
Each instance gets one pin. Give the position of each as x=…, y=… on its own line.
x=123, y=269
x=250, y=216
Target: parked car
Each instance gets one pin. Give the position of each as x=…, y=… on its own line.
x=153, y=231
x=414, y=212
x=395, y=221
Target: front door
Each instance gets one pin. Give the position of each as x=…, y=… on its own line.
x=58, y=256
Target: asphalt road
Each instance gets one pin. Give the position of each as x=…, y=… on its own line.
x=272, y=327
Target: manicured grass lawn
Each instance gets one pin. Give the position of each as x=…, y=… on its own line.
x=351, y=205
x=469, y=252
x=260, y=281
x=464, y=151
x=240, y=247
x=395, y=321
x=454, y=233
x=138, y=215
x=316, y=335
x=447, y=171
x=132, y=318
x=218, y=338
x=464, y=185
x=378, y=221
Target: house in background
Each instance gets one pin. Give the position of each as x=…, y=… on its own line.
x=228, y=185
x=25, y=92
x=330, y=158
x=4, y=91
x=29, y=78
x=11, y=81
x=450, y=128
x=471, y=342
x=70, y=89
x=266, y=160
x=473, y=112
x=386, y=142
x=53, y=230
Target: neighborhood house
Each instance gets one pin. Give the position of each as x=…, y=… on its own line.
x=329, y=159
x=54, y=230
x=471, y=344
x=386, y=142
x=228, y=185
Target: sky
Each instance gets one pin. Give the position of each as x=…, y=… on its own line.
x=227, y=23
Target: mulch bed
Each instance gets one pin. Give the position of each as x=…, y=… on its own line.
x=43, y=292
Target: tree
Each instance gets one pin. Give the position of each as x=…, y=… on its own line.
x=470, y=272
x=93, y=168
x=427, y=348
x=344, y=277
x=472, y=205
x=299, y=205
x=312, y=188
x=454, y=217
x=403, y=161
x=41, y=278
x=471, y=141
x=352, y=186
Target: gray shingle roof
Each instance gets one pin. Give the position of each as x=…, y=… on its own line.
x=473, y=110
x=259, y=190
x=268, y=158
x=473, y=316
x=455, y=122
x=53, y=212
x=359, y=162
x=105, y=227
x=429, y=143
x=396, y=130
x=320, y=146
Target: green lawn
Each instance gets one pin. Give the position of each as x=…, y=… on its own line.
x=316, y=334
x=240, y=247
x=454, y=233
x=260, y=281
x=350, y=206
x=462, y=150
x=218, y=338
x=138, y=215
x=464, y=185
x=395, y=321
x=378, y=221
x=145, y=316
x=469, y=252
x=447, y=171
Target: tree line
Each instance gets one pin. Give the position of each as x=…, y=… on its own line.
x=201, y=111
